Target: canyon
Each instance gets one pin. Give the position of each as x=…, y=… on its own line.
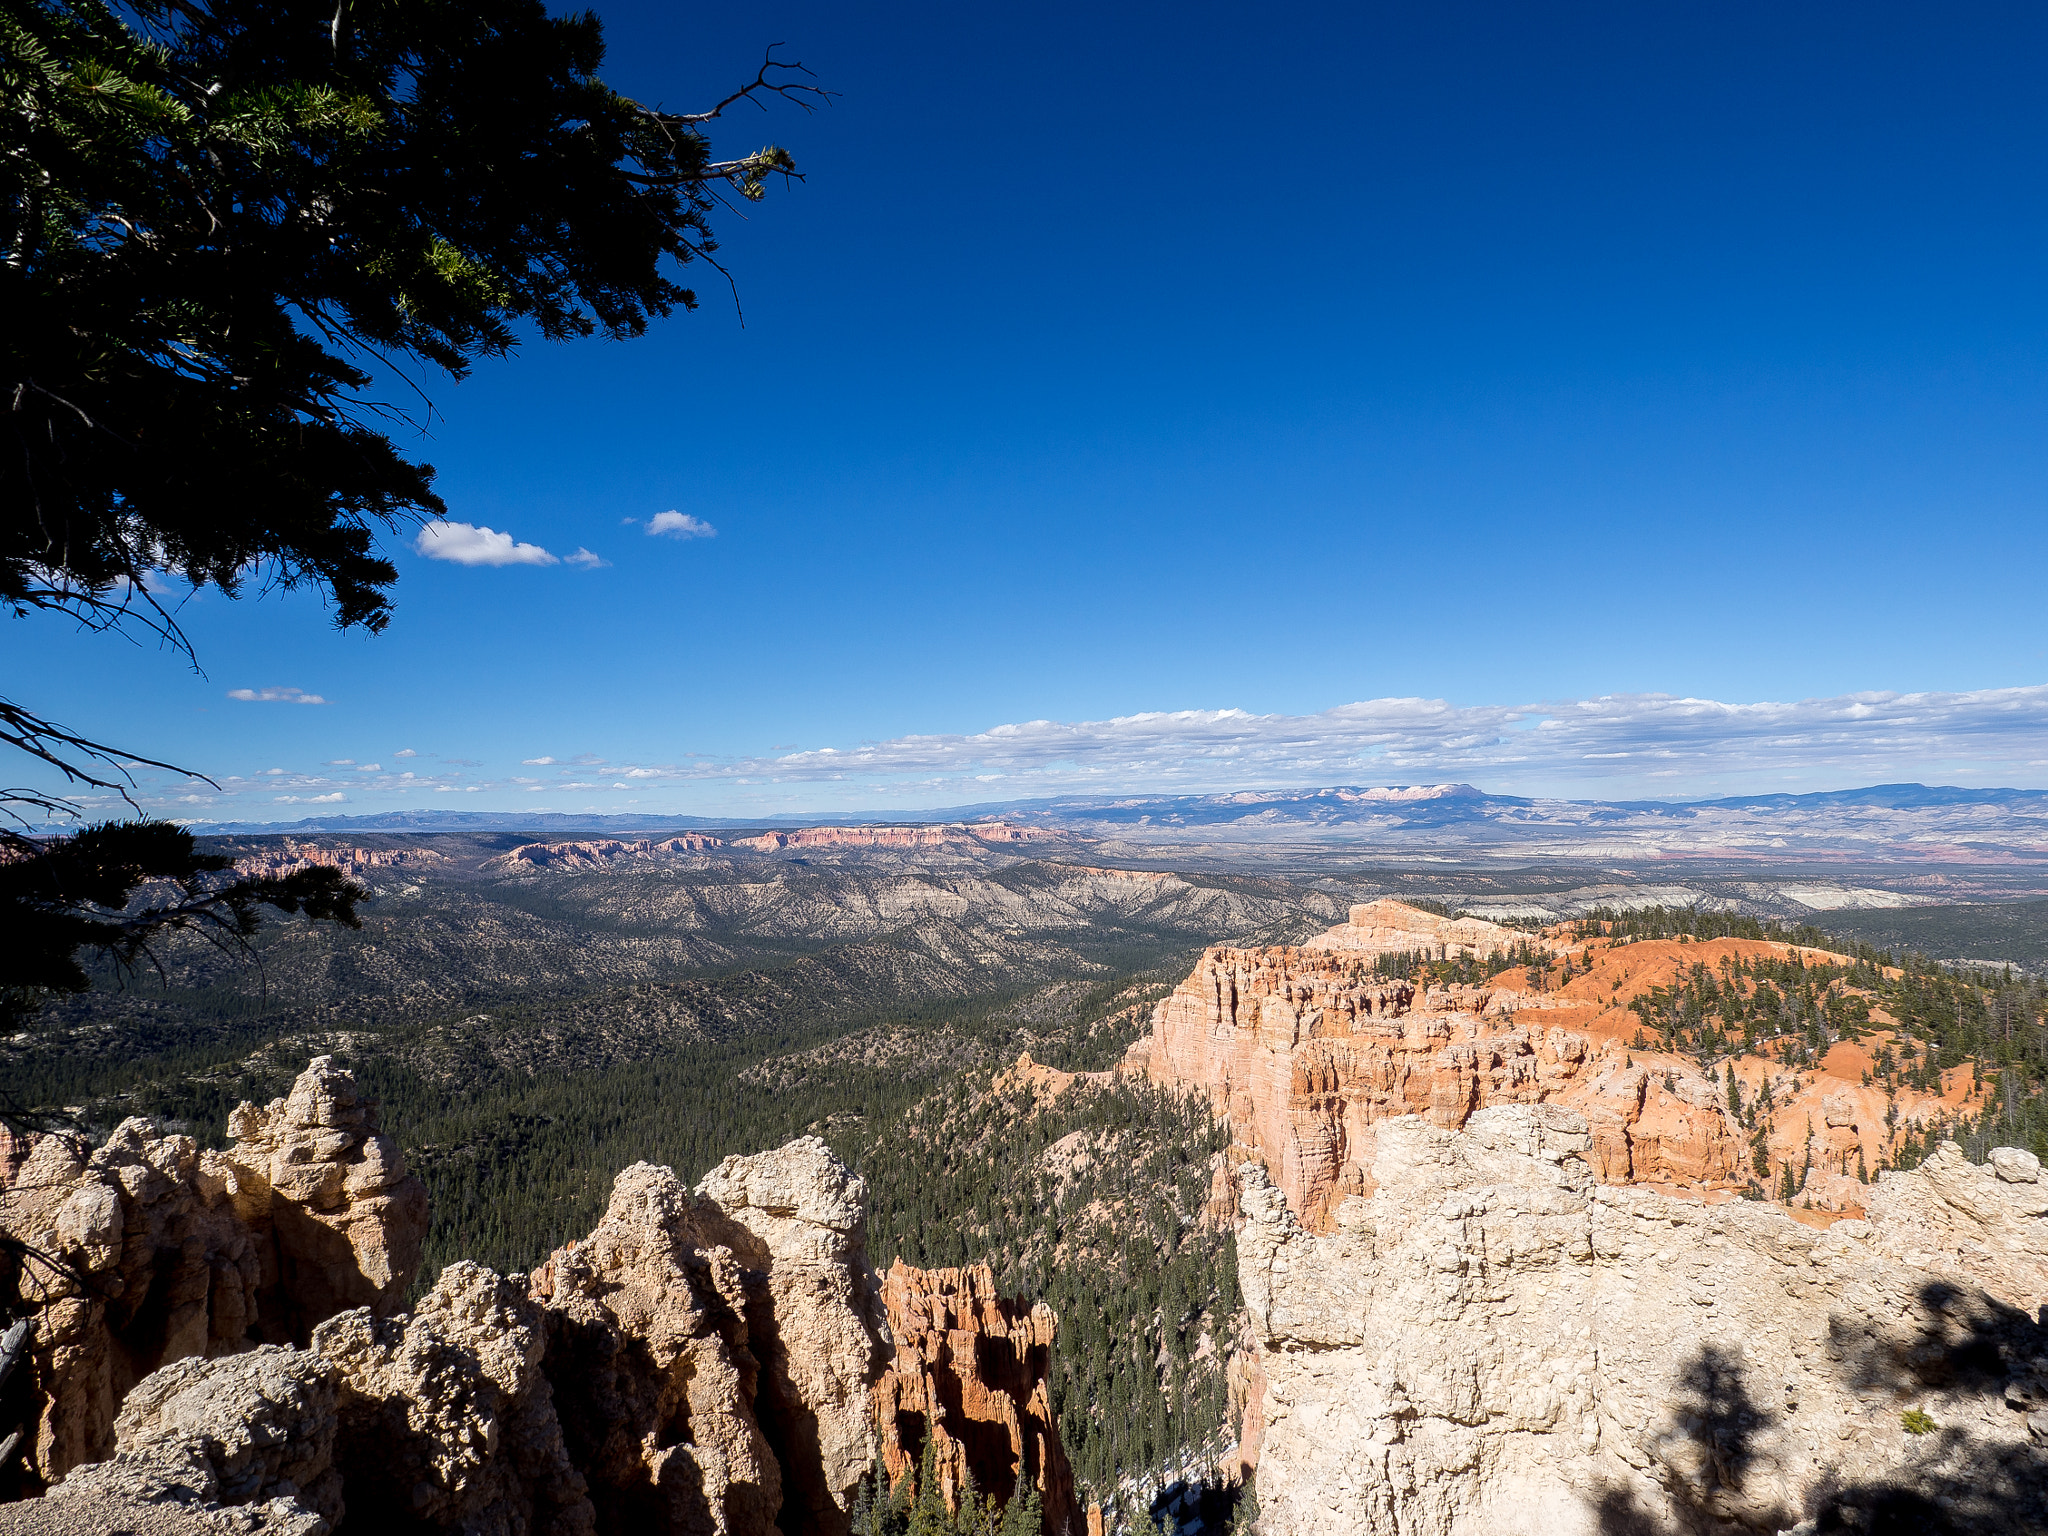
x=1503, y=1264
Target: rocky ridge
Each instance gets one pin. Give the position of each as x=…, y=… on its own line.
x=970, y=837
x=595, y=853
x=705, y=1361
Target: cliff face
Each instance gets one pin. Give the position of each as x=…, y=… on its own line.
x=711, y=1353
x=1307, y=1052
x=795, y=1220
x=969, y=1374
x=1307, y=1056
x=647, y=1339
x=155, y=1252
x=1496, y=1341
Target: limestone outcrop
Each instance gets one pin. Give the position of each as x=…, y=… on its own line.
x=969, y=1374
x=1497, y=1341
x=1980, y=1226
x=444, y=1419
x=647, y=1341
x=154, y=1252
x=347, y=1222
x=711, y=1353
x=796, y=1221
x=239, y=1444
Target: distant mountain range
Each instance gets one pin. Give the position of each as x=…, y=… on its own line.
x=1884, y=823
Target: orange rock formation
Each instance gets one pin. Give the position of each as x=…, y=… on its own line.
x=970, y=1373
x=1305, y=1050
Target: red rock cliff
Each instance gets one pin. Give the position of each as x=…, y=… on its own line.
x=970, y=1372
x=1306, y=1051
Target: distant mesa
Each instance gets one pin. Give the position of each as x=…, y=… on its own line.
x=600, y=853
x=971, y=837
x=1387, y=927
x=595, y=853
x=356, y=863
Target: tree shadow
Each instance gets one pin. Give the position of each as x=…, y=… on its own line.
x=1965, y=1344
x=1721, y=1417
x=1199, y=1507
x=1950, y=1482
x=1723, y=1422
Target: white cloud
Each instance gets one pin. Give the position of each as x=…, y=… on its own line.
x=680, y=525
x=275, y=696
x=536, y=762
x=405, y=752
x=373, y=768
x=1609, y=746
x=646, y=773
x=341, y=762
x=337, y=798
x=587, y=560
x=467, y=544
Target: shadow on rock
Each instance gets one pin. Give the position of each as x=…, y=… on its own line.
x=1965, y=1355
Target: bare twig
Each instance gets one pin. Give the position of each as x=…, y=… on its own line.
x=70, y=753
x=808, y=97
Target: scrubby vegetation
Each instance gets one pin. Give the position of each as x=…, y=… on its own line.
x=1794, y=1007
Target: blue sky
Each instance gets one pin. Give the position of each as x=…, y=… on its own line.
x=1162, y=361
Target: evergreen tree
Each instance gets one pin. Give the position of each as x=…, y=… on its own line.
x=928, y=1514
x=1025, y=1514
x=216, y=216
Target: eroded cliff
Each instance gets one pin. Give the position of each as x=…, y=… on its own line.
x=1496, y=1341
x=970, y=1375
x=705, y=1361
x=1307, y=1051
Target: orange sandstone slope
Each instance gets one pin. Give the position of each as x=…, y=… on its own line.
x=1306, y=1050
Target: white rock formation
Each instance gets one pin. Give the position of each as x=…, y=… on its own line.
x=159, y=1252
x=445, y=1420
x=239, y=1444
x=1982, y=1225
x=795, y=1219
x=1496, y=1343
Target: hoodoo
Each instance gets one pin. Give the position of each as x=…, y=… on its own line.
x=705, y=1361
